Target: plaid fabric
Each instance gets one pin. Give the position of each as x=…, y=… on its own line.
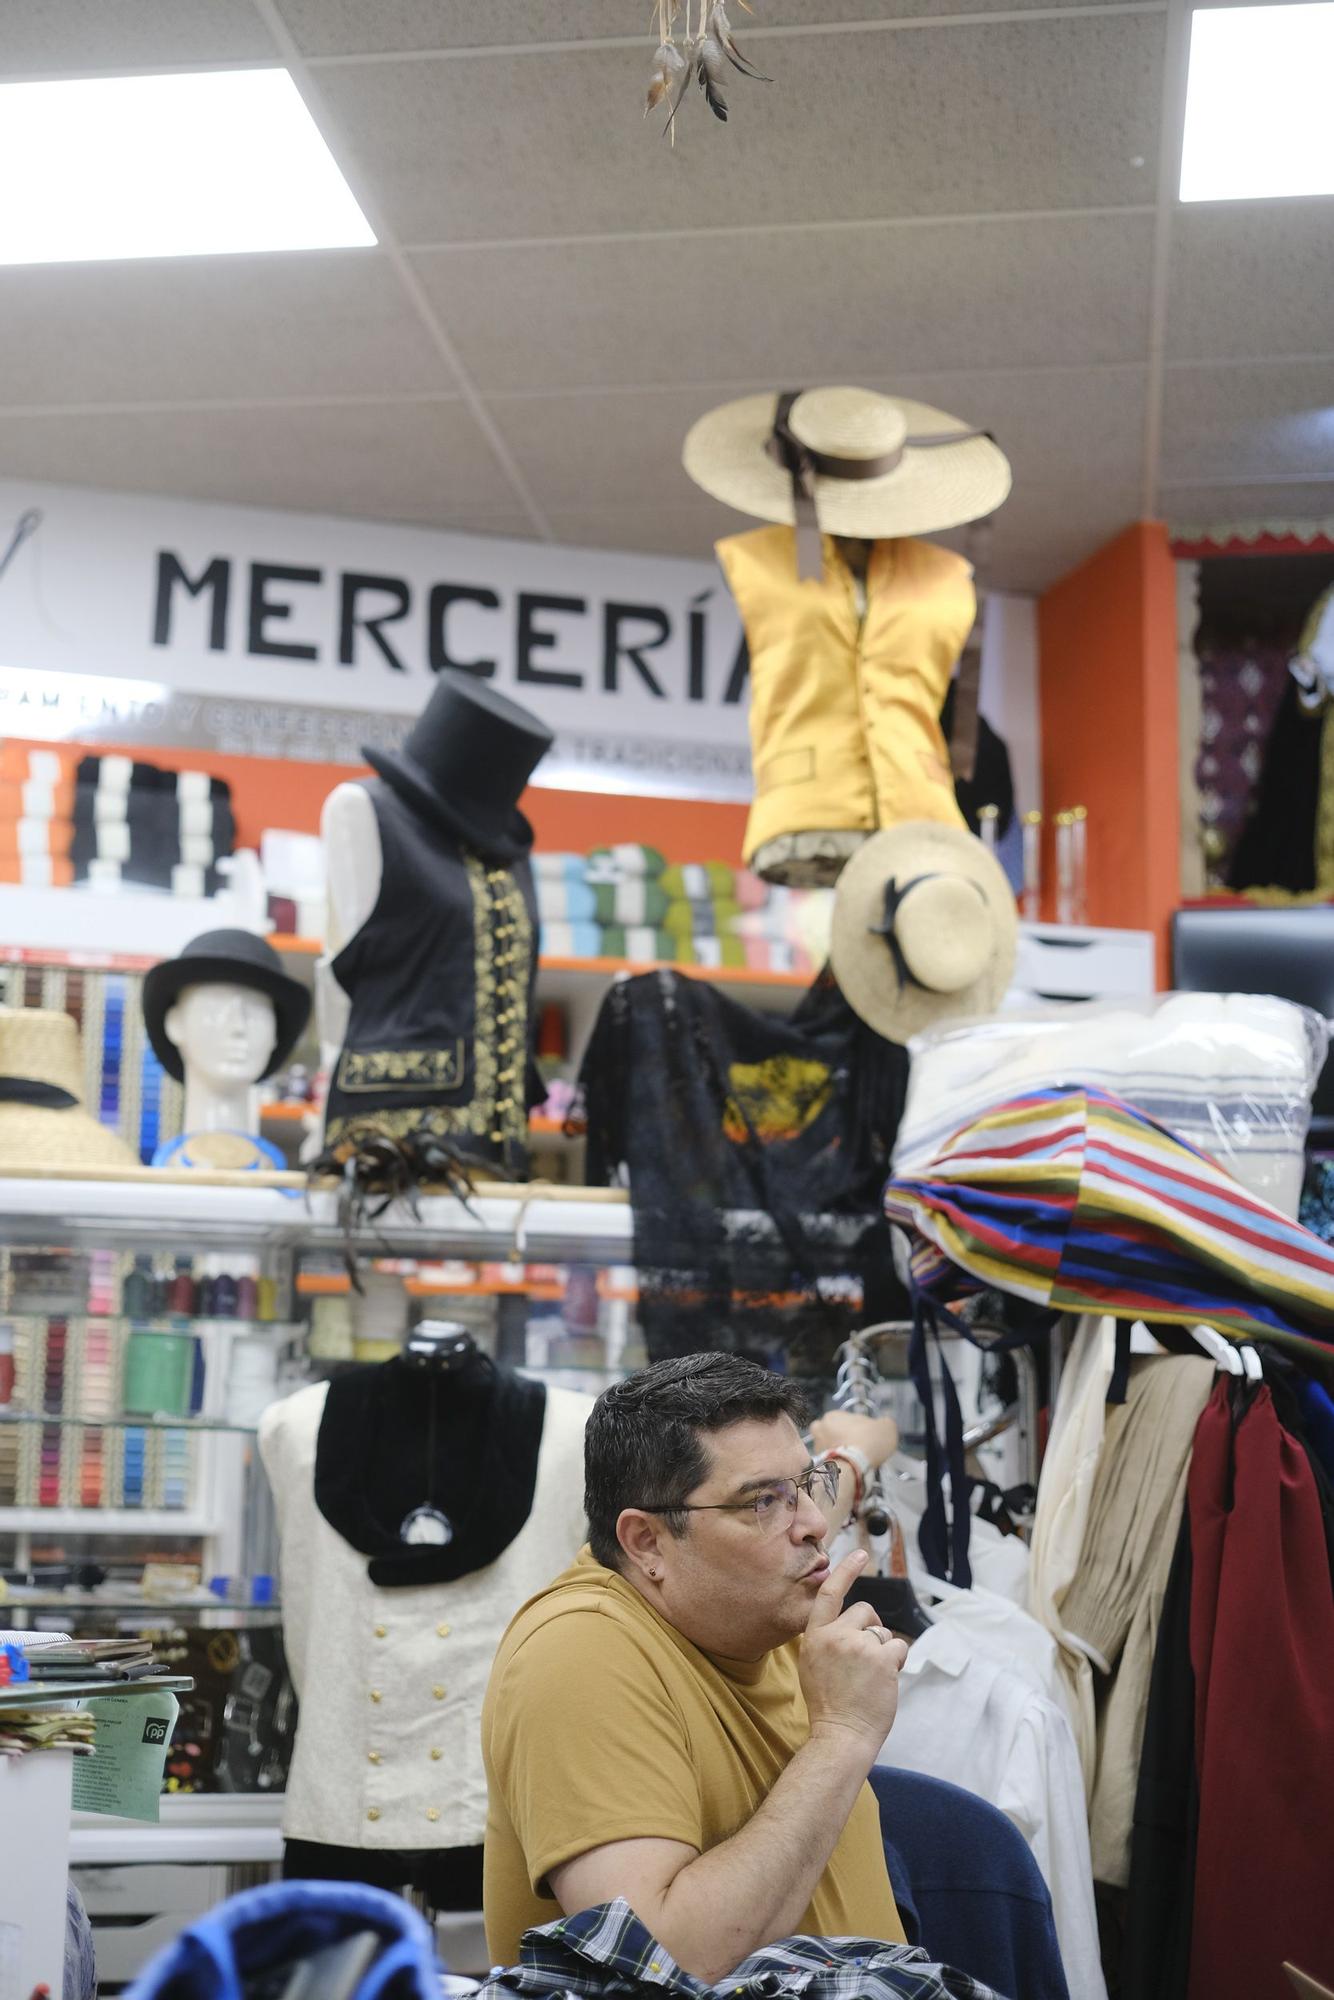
x=606, y=1952
x=1077, y=1201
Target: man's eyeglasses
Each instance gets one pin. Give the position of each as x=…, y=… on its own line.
x=772, y=1504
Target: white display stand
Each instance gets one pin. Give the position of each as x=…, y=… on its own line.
x=34, y=1855
x=36, y=1793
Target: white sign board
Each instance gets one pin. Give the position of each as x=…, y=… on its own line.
x=146, y=620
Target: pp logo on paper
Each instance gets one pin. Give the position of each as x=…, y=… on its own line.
x=155, y=1731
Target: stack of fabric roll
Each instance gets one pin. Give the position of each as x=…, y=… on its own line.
x=629, y=903
x=36, y=816
x=134, y=823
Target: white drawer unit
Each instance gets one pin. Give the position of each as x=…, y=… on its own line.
x=134, y=1911
x=1069, y=962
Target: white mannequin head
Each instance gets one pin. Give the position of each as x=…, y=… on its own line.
x=226, y=1035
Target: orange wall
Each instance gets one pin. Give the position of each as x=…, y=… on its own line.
x=683, y=829
x=266, y=792
x=1108, y=699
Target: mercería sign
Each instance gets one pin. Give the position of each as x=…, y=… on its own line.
x=149, y=620
x=374, y=620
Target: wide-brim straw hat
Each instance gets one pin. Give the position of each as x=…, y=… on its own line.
x=925, y=929
x=42, y=1119
x=941, y=472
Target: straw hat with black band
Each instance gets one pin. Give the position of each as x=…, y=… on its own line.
x=846, y=461
x=862, y=465
x=42, y=1119
x=925, y=929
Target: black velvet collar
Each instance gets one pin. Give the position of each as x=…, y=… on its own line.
x=371, y=1465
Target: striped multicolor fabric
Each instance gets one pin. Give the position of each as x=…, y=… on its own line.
x=1075, y=1200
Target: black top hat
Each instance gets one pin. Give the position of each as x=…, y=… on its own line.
x=235, y=958
x=465, y=763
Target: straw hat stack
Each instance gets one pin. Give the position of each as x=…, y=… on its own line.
x=42, y=1119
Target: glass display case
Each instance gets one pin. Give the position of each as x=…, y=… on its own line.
x=145, y=1324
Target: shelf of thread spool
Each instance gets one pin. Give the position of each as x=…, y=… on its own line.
x=139, y=1521
x=11, y=1418
x=145, y=1611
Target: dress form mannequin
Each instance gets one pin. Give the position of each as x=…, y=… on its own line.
x=354, y=869
x=425, y=999
x=387, y=1781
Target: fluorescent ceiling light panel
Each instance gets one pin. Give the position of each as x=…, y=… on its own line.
x=167, y=166
x=1258, y=103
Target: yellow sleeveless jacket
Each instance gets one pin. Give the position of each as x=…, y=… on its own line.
x=845, y=709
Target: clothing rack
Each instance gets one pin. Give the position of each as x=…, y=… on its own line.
x=858, y=1377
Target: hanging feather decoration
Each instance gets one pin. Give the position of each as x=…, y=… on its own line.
x=705, y=49
x=720, y=30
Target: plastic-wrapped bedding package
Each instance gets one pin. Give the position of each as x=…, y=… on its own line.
x=1232, y=1073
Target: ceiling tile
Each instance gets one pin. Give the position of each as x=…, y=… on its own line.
x=1252, y=279
x=593, y=452
x=50, y=36
x=1043, y=532
x=597, y=452
x=798, y=306
x=1011, y=116
x=1036, y=540
x=320, y=323
x=1062, y=427
x=350, y=27
x=423, y=462
x=1244, y=424
x=666, y=530
x=1202, y=507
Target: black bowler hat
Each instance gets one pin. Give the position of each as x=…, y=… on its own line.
x=465, y=763
x=230, y=958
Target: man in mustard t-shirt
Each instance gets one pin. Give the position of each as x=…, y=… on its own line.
x=687, y=1716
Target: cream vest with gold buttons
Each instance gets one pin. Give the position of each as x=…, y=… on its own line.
x=388, y=1746
x=845, y=705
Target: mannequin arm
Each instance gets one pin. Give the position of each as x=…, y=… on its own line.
x=354, y=867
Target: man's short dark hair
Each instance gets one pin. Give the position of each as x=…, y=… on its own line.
x=644, y=1442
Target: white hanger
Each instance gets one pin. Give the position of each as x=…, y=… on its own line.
x=1233, y=1357
x=1227, y=1355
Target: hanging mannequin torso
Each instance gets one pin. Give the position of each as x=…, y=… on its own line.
x=848, y=676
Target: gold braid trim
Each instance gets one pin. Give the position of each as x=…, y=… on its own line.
x=1324, y=811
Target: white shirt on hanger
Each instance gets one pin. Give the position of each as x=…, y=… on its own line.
x=966, y=1716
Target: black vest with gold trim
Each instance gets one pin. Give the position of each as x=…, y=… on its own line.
x=440, y=978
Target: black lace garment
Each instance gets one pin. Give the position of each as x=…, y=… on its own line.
x=755, y=1150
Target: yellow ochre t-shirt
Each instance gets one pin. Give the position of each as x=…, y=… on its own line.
x=602, y=1722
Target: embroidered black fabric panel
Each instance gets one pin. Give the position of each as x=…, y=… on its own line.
x=756, y=1150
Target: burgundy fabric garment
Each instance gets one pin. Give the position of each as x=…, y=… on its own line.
x=1261, y=1641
